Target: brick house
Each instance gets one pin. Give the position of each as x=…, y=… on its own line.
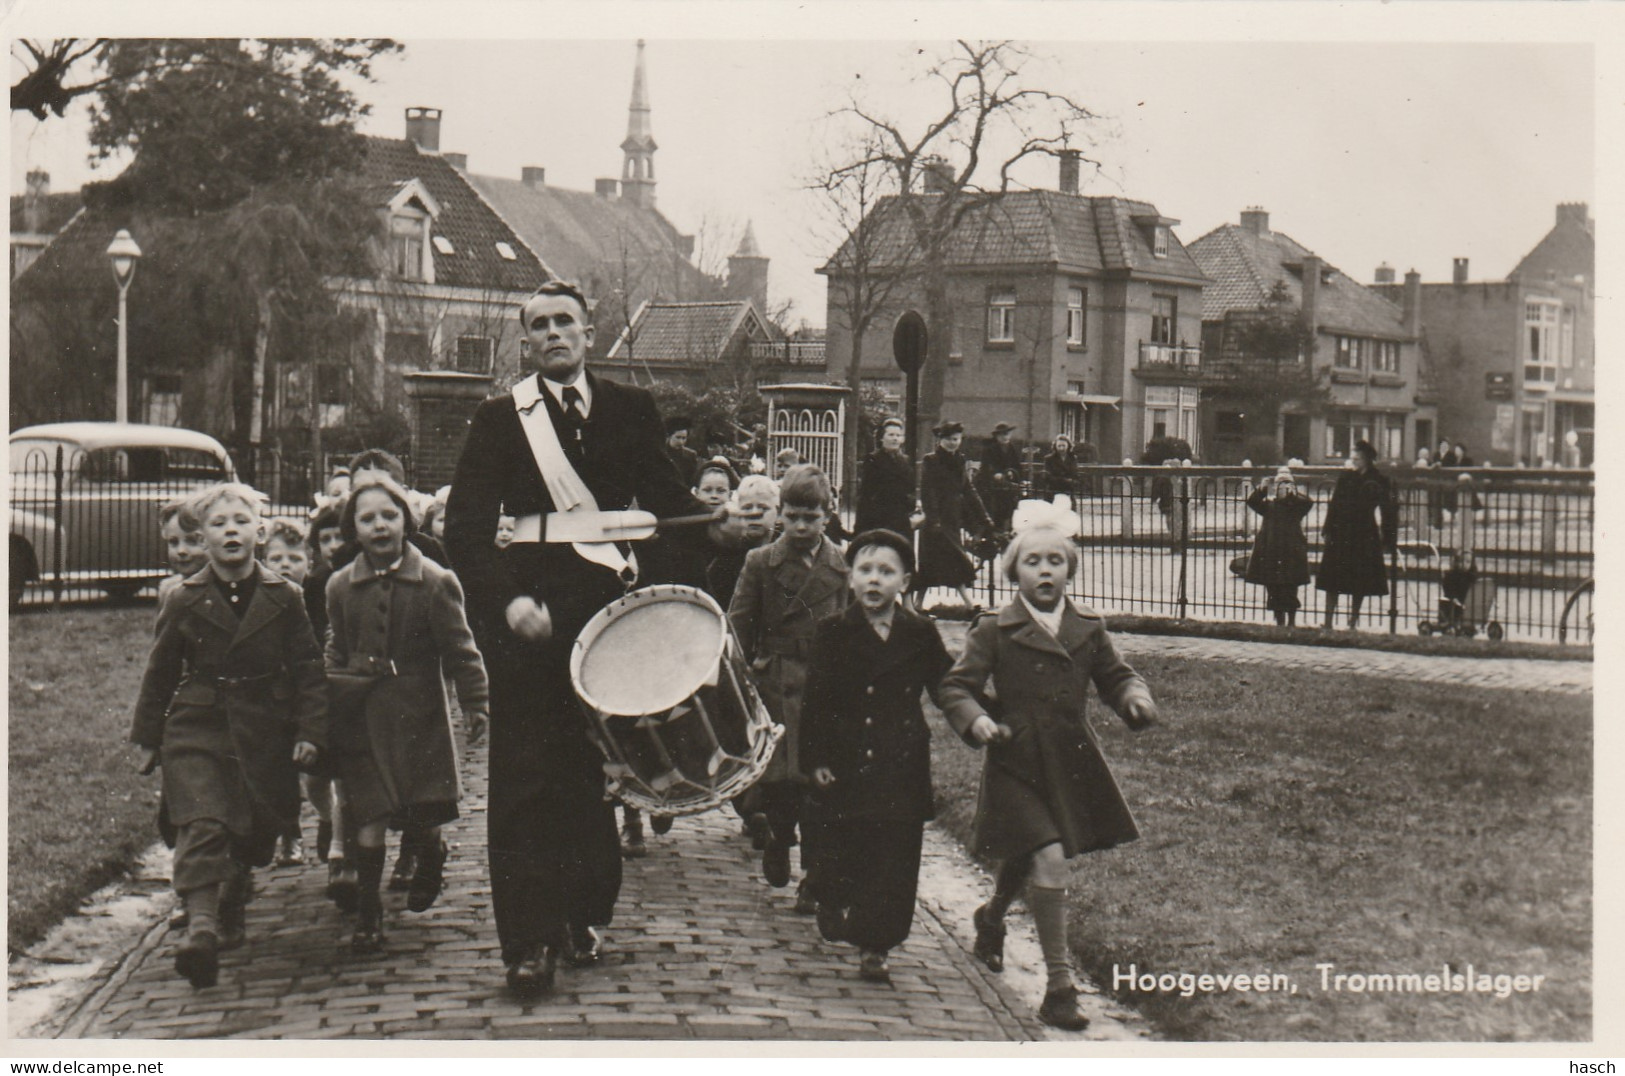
x=1515, y=358
x=694, y=344
x=1076, y=314
x=1364, y=345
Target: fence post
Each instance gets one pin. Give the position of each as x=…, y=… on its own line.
x=1465, y=523
x=1548, y=528
x=1128, y=504
x=1184, y=495
x=56, y=546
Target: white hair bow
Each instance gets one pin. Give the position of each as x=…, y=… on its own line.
x=1036, y=515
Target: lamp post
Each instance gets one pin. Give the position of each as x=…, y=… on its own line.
x=123, y=253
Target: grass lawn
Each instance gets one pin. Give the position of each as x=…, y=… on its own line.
x=1291, y=818
x=78, y=813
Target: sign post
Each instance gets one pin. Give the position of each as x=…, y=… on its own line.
x=908, y=349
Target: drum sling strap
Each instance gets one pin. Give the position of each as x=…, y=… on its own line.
x=568, y=491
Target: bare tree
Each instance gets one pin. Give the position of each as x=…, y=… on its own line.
x=988, y=121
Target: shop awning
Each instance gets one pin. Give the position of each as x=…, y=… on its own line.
x=1091, y=399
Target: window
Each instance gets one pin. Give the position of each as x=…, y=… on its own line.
x=1385, y=358
x=1159, y=241
x=1394, y=437
x=164, y=400
x=506, y=252
x=1001, y=317
x=332, y=393
x=475, y=354
x=443, y=245
x=1343, y=431
x=1230, y=424
x=1159, y=421
x=194, y=465
x=1540, y=361
x=1075, y=299
x=1565, y=354
x=406, y=350
x=1163, y=310
x=1350, y=353
x=407, y=236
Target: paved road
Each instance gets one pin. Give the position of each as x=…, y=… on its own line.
x=701, y=948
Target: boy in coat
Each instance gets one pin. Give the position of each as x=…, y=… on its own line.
x=785, y=589
x=1047, y=794
x=865, y=742
x=1280, y=558
x=232, y=704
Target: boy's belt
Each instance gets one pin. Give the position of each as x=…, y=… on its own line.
x=231, y=681
x=788, y=648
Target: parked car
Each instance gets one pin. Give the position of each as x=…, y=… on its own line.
x=85, y=499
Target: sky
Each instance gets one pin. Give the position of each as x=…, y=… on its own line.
x=1407, y=153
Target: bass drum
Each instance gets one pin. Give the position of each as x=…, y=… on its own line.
x=664, y=682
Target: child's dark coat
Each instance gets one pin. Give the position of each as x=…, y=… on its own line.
x=1050, y=782
x=227, y=747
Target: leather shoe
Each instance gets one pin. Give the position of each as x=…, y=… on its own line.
x=761, y=833
x=369, y=933
x=872, y=967
x=831, y=923
x=586, y=948
x=1060, y=1009
x=776, y=865
x=198, y=958
x=634, y=848
x=806, y=899
x=989, y=947
x=660, y=823
x=427, y=880
x=343, y=886
x=532, y=975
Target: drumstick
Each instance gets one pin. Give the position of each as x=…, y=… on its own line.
x=622, y=526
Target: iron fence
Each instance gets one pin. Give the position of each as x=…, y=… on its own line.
x=1530, y=531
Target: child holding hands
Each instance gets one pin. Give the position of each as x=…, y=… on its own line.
x=231, y=706
x=396, y=621
x=865, y=742
x=1047, y=794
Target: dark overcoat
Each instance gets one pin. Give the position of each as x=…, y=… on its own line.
x=1360, y=524
x=1061, y=472
x=951, y=506
x=393, y=635
x=1280, y=555
x=1050, y=781
x=555, y=856
x=775, y=611
x=885, y=493
x=227, y=748
x=862, y=716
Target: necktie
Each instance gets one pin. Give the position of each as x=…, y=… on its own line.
x=575, y=415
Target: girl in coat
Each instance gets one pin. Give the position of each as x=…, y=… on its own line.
x=1047, y=794
x=886, y=484
x=1360, y=525
x=951, y=505
x=397, y=623
x=865, y=742
x=231, y=706
x=786, y=588
x=1280, y=558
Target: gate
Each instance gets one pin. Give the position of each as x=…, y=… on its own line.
x=811, y=419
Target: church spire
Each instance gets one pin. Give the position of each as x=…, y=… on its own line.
x=638, y=167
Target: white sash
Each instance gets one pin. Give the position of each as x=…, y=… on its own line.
x=569, y=492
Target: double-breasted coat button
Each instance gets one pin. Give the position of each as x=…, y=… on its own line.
x=868, y=721
x=868, y=754
x=870, y=689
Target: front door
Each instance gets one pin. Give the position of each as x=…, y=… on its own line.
x=1295, y=437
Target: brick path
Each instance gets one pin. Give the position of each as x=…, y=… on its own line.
x=700, y=949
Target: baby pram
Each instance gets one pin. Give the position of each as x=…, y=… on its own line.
x=1466, y=599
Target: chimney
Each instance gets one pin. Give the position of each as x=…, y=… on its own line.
x=1385, y=274
x=605, y=188
x=38, y=190
x=533, y=176
x=1413, y=302
x=1069, y=170
x=685, y=246
x=938, y=175
x=1578, y=212
x=458, y=161
x=423, y=128
x=1458, y=270
x=1255, y=220
x=1311, y=288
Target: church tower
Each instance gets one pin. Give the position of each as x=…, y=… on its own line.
x=638, y=169
x=747, y=272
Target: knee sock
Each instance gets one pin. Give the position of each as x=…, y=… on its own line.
x=369, y=869
x=1048, y=907
x=1007, y=884
x=203, y=908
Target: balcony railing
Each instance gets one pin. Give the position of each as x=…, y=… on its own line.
x=1170, y=356
x=790, y=352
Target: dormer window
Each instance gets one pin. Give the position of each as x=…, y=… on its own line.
x=506, y=251
x=408, y=244
x=1159, y=241
x=443, y=245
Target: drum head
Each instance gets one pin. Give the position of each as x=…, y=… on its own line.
x=649, y=651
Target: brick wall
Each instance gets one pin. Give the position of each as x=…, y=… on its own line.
x=442, y=405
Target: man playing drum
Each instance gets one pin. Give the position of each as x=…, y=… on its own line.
x=562, y=439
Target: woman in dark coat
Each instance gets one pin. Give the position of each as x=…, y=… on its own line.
x=1061, y=467
x=1000, y=477
x=951, y=506
x=1359, y=526
x=1280, y=558
x=886, y=484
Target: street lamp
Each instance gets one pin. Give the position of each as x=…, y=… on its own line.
x=123, y=253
